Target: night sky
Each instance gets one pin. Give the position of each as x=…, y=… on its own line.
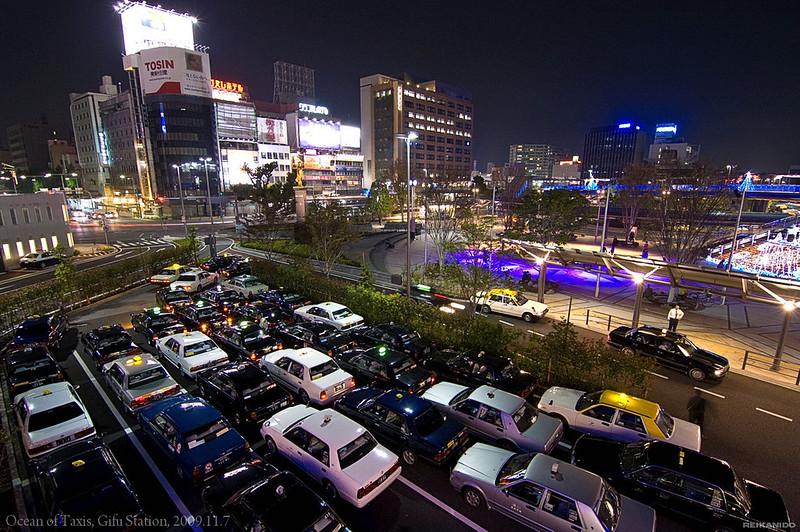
x=539, y=71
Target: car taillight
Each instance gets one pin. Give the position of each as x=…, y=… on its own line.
x=168, y=308
x=352, y=382
x=40, y=449
x=323, y=396
x=366, y=490
x=196, y=473
x=253, y=416
x=155, y=337
x=230, y=321
x=253, y=355
x=442, y=455
x=139, y=401
x=172, y=391
x=204, y=327
x=84, y=432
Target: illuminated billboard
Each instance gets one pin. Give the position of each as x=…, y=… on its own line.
x=226, y=90
x=145, y=27
x=272, y=131
x=351, y=137
x=174, y=71
x=318, y=162
x=319, y=134
x=234, y=161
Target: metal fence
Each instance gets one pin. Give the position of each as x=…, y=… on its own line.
x=769, y=363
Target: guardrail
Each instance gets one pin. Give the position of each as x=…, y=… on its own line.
x=767, y=362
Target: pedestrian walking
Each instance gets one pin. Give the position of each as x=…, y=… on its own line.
x=675, y=315
x=645, y=251
x=614, y=245
x=696, y=409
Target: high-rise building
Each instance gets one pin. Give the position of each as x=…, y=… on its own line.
x=609, y=150
x=440, y=114
x=28, y=142
x=293, y=83
x=538, y=159
x=124, y=156
x=87, y=126
x=669, y=150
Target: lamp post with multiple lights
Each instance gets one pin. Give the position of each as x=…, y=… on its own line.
x=410, y=136
x=213, y=243
x=183, y=210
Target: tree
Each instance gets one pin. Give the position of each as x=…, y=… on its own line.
x=635, y=193
x=193, y=243
x=506, y=191
x=686, y=217
x=396, y=177
x=274, y=200
x=379, y=201
x=445, y=205
x=550, y=216
x=329, y=230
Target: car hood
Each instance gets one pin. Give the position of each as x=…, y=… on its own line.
x=443, y=392
x=561, y=398
x=710, y=358
x=635, y=516
x=685, y=434
x=482, y=462
x=767, y=505
x=545, y=431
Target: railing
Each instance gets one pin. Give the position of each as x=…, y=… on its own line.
x=769, y=363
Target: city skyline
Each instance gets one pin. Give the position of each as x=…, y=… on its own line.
x=538, y=74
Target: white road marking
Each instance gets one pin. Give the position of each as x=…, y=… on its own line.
x=536, y=333
x=176, y=500
x=709, y=393
x=464, y=519
x=506, y=323
x=774, y=414
x=658, y=375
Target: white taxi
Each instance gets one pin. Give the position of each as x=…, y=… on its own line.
x=510, y=303
x=312, y=375
x=169, y=274
x=51, y=416
x=190, y=352
x=246, y=286
x=194, y=281
x=139, y=380
x=338, y=452
x=331, y=313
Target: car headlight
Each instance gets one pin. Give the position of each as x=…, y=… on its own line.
x=719, y=372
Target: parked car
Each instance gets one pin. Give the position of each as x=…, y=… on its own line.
x=200, y=316
x=475, y=367
x=153, y=324
x=30, y=367
x=194, y=281
x=194, y=436
x=242, y=391
x=239, y=266
x=406, y=423
x=320, y=336
x=334, y=450
x=396, y=337
x=331, y=313
x=50, y=417
x=670, y=349
x=497, y=416
x=39, y=259
x=107, y=343
x=313, y=376
x=246, y=286
x=40, y=330
x=618, y=416
x=510, y=303
x=545, y=493
x=214, y=264
x=190, y=352
x=285, y=299
x=385, y=368
x=244, y=340
x=83, y=481
x=682, y=482
x=223, y=299
x=254, y=495
x=138, y=381
x=169, y=274
x=430, y=296
x=268, y=315
x=169, y=300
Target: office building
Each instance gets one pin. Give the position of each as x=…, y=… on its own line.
x=30, y=223
x=538, y=159
x=609, y=150
x=670, y=150
x=440, y=114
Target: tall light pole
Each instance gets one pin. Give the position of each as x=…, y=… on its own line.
x=745, y=184
x=411, y=135
x=183, y=211
x=605, y=218
x=213, y=244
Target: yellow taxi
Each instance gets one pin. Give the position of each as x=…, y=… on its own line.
x=618, y=416
x=169, y=274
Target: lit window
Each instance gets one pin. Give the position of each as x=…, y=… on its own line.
x=20, y=249
x=32, y=245
x=43, y=241
x=54, y=239
x=6, y=252
x=70, y=240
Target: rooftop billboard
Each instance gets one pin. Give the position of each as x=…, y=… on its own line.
x=175, y=71
x=145, y=27
x=319, y=134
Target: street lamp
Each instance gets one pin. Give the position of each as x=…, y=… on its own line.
x=411, y=135
x=213, y=244
x=745, y=184
x=605, y=221
x=183, y=211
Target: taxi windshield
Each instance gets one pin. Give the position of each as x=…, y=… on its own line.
x=206, y=433
x=356, y=450
x=525, y=417
x=608, y=507
x=54, y=416
x=323, y=369
x=169, y=271
x=520, y=299
x=198, y=348
x=342, y=313
x=148, y=376
x=588, y=399
x=187, y=277
x=665, y=422
x=514, y=468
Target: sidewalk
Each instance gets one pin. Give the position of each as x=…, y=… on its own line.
x=729, y=330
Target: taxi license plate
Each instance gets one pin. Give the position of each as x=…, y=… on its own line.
x=63, y=440
x=450, y=443
x=339, y=387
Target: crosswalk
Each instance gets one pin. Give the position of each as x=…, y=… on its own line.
x=152, y=242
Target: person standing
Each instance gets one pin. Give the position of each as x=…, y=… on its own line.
x=645, y=251
x=675, y=315
x=614, y=245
